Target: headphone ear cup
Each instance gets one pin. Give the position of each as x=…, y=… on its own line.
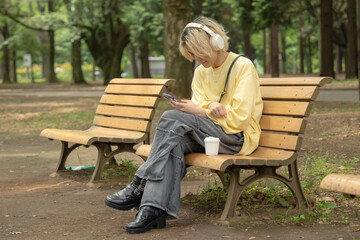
x=217, y=42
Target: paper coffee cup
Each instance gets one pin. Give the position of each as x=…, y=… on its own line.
x=212, y=145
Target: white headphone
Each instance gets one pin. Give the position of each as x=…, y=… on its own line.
x=216, y=40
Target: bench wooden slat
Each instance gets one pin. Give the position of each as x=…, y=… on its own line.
x=93, y=134
x=142, y=81
x=281, y=141
x=120, y=111
x=261, y=156
x=267, y=157
x=283, y=124
x=289, y=93
x=122, y=123
x=219, y=162
x=145, y=101
x=152, y=90
x=295, y=81
x=287, y=108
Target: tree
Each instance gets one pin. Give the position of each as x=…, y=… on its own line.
x=45, y=23
x=72, y=8
x=6, y=58
x=326, y=39
x=351, y=46
x=105, y=34
x=176, y=16
x=144, y=19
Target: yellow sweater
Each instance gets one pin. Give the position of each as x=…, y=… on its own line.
x=242, y=99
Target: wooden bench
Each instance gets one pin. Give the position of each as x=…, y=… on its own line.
x=287, y=102
x=123, y=119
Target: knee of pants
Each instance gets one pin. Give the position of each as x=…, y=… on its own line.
x=171, y=114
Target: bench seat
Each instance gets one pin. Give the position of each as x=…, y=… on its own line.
x=94, y=134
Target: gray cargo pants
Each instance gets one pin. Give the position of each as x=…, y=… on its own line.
x=178, y=133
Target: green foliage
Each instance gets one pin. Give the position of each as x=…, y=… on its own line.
x=144, y=20
x=125, y=168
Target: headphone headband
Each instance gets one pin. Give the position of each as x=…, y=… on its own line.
x=216, y=40
x=199, y=25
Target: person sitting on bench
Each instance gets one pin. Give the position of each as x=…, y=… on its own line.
x=226, y=103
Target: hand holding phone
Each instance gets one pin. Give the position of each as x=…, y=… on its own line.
x=168, y=97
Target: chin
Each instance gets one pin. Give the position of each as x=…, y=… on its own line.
x=206, y=65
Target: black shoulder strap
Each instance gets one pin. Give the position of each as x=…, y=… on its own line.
x=227, y=77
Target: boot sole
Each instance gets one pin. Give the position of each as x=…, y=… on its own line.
x=121, y=207
x=157, y=223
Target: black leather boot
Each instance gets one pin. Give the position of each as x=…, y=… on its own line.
x=147, y=218
x=128, y=197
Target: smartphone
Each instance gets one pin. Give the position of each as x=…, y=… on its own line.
x=168, y=97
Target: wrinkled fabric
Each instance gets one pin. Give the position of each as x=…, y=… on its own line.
x=178, y=133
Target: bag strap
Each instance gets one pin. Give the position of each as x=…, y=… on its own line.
x=227, y=77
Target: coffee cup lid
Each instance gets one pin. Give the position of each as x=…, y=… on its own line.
x=212, y=139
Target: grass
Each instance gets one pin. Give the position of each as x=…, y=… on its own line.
x=267, y=195
x=75, y=120
x=124, y=168
x=335, y=107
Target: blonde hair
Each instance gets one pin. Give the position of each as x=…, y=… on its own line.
x=195, y=41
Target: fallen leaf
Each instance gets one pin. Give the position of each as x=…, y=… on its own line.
x=252, y=238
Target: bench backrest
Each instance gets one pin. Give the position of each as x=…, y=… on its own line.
x=286, y=102
x=129, y=104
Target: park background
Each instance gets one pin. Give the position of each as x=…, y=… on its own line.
x=77, y=46
x=81, y=41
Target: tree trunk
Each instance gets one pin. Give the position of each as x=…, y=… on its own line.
x=6, y=55
x=339, y=56
x=309, y=56
x=107, y=49
x=176, y=16
x=265, y=59
x=133, y=61
x=326, y=39
x=247, y=45
x=47, y=41
x=283, y=52
x=145, y=64
x=51, y=72
x=274, y=50
x=301, y=52
x=13, y=75
x=197, y=7
x=358, y=39
x=351, y=45
x=76, y=62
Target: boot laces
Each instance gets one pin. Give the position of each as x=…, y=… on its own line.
x=140, y=188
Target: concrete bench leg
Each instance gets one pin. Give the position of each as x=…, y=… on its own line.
x=65, y=152
x=236, y=187
x=104, y=155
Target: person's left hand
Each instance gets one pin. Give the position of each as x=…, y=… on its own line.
x=217, y=110
x=189, y=107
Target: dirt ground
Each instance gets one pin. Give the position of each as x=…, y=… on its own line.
x=34, y=205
